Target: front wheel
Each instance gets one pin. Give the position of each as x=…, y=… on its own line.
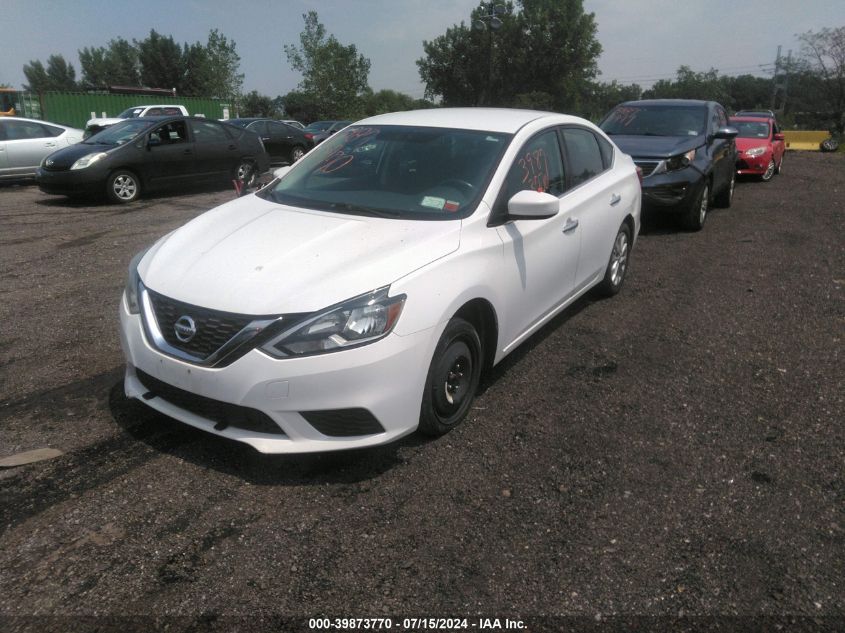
x=770, y=171
x=452, y=379
x=726, y=196
x=779, y=168
x=614, y=275
x=123, y=186
x=697, y=213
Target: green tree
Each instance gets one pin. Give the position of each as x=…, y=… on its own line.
x=113, y=65
x=543, y=55
x=225, y=80
x=255, y=104
x=689, y=84
x=602, y=97
x=197, y=73
x=302, y=106
x=161, y=61
x=748, y=92
x=388, y=101
x=334, y=76
x=824, y=54
x=59, y=75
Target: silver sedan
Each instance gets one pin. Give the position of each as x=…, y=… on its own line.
x=25, y=142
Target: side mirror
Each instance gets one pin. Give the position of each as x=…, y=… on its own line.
x=726, y=132
x=532, y=205
x=281, y=171
x=779, y=137
x=153, y=141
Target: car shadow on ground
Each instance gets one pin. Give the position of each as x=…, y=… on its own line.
x=166, y=435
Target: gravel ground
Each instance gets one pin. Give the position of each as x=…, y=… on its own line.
x=674, y=452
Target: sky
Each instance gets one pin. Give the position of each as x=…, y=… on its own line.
x=642, y=40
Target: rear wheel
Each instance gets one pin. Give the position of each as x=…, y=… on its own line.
x=123, y=186
x=245, y=172
x=296, y=153
x=696, y=215
x=614, y=275
x=453, y=378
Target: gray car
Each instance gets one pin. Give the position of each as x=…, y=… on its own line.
x=25, y=142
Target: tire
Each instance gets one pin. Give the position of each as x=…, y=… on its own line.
x=696, y=215
x=452, y=379
x=779, y=168
x=123, y=186
x=770, y=171
x=296, y=153
x=245, y=172
x=617, y=265
x=726, y=196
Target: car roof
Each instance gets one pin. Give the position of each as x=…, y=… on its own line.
x=754, y=119
x=20, y=118
x=506, y=120
x=668, y=102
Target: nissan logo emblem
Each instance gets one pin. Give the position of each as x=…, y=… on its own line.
x=185, y=328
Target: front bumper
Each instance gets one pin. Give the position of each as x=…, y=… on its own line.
x=69, y=183
x=672, y=192
x=385, y=378
x=756, y=165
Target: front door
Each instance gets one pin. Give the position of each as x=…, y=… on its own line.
x=170, y=155
x=540, y=256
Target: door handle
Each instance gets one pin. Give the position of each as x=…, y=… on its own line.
x=233, y=147
x=265, y=138
x=615, y=199
x=49, y=144
x=570, y=225
x=186, y=151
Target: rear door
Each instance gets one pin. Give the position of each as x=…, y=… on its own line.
x=598, y=194
x=27, y=142
x=216, y=152
x=283, y=137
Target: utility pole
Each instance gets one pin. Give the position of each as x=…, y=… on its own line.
x=780, y=82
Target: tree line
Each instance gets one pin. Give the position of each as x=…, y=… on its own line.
x=540, y=54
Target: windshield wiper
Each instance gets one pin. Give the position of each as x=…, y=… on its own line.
x=357, y=209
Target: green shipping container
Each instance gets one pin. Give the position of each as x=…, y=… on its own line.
x=75, y=108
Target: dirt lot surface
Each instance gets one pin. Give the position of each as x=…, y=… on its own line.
x=675, y=451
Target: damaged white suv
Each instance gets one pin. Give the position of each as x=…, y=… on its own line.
x=359, y=296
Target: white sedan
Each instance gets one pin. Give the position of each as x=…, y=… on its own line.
x=24, y=143
x=360, y=295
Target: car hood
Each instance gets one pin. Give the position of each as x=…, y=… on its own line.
x=103, y=122
x=67, y=156
x=656, y=146
x=743, y=144
x=253, y=256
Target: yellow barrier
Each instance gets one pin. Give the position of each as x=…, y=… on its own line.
x=804, y=140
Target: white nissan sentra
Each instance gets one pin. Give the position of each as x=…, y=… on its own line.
x=359, y=295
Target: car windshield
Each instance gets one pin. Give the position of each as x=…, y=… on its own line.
x=131, y=113
x=394, y=171
x=751, y=129
x=656, y=120
x=120, y=133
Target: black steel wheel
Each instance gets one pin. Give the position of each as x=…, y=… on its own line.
x=453, y=378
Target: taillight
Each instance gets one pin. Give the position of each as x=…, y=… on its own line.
x=309, y=136
x=640, y=174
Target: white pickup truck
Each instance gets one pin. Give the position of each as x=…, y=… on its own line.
x=95, y=125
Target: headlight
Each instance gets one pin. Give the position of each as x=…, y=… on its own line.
x=87, y=161
x=755, y=151
x=132, y=281
x=679, y=162
x=361, y=320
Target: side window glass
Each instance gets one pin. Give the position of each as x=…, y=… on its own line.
x=606, y=151
x=723, y=118
x=153, y=112
x=207, y=132
x=24, y=130
x=259, y=127
x=175, y=132
x=279, y=129
x=52, y=130
x=583, y=154
x=538, y=166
